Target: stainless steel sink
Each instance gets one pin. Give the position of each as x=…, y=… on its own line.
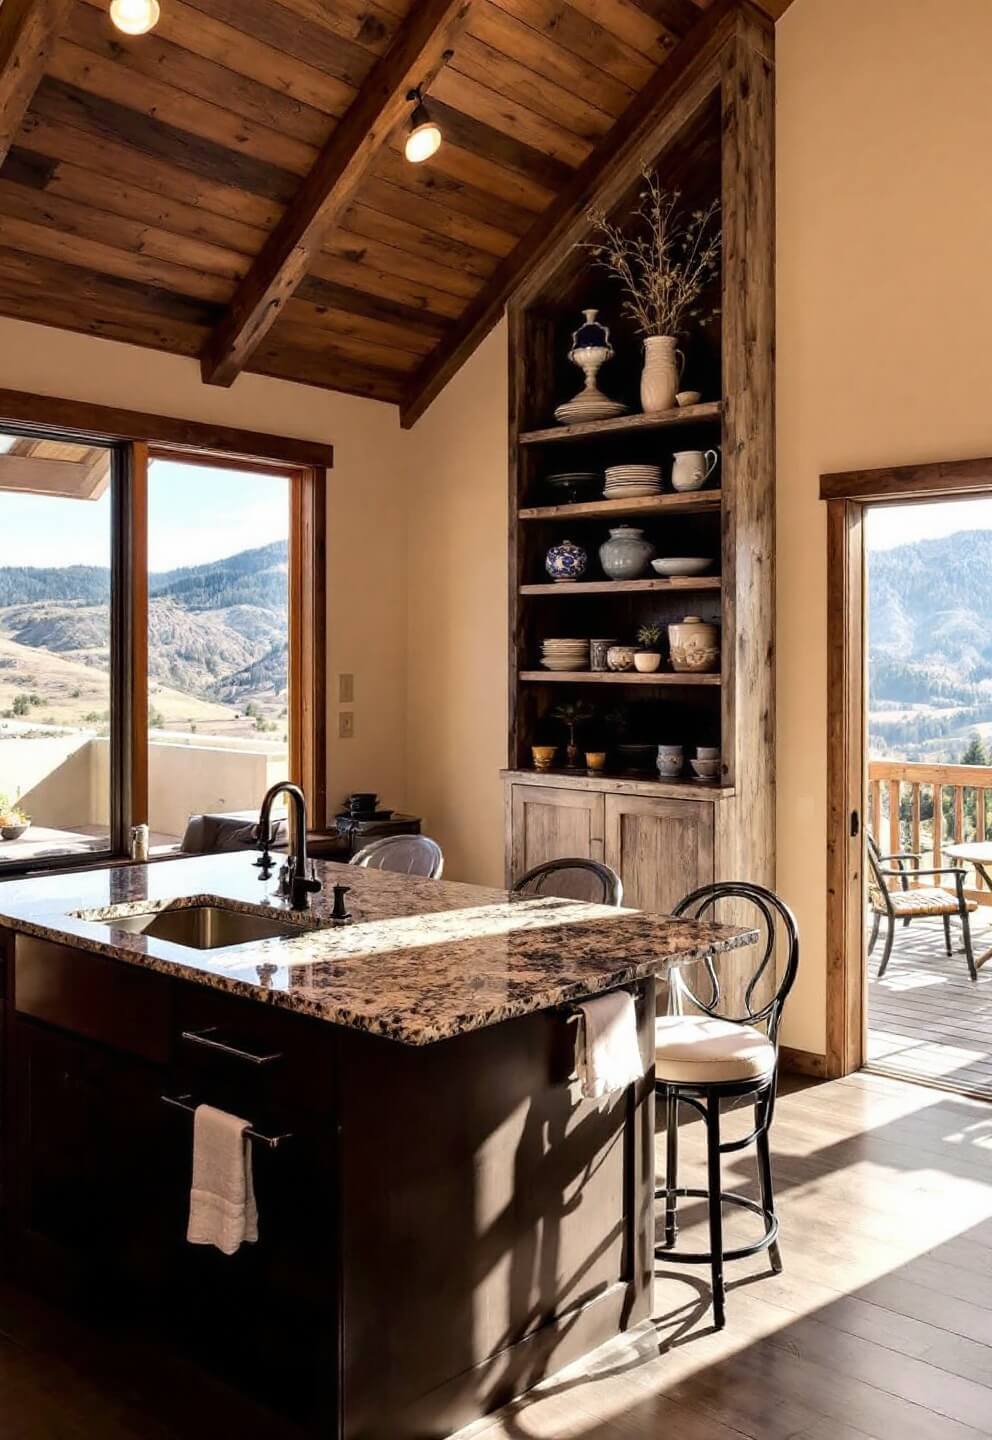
x=204, y=927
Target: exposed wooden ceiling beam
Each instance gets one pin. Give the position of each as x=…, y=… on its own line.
x=413, y=57
x=694, y=56
x=28, y=32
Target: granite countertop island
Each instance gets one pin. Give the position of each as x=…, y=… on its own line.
x=422, y=960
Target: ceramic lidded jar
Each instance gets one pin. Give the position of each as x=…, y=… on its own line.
x=626, y=555
x=695, y=645
x=566, y=562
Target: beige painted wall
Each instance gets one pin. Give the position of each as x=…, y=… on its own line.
x=884, y=318
x=456, y=623
x=366, y=502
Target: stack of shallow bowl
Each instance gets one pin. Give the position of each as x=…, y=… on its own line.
x=565, y=654
x=628, y=482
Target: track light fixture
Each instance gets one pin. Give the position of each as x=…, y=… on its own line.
x=424, y=138
x=135, y=17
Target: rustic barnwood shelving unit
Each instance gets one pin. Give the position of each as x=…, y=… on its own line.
x=713, y=138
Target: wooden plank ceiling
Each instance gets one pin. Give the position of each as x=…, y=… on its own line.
x=232, y=186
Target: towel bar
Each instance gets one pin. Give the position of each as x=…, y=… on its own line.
x=184, y=1102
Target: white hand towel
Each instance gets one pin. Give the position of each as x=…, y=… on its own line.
x=609, y=1056
x=222, y=1199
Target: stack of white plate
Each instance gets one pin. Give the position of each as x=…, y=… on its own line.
x=627, y=482
x=565, y=654
x=589, y=405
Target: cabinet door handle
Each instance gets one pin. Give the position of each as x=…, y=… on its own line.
x=208, y=1038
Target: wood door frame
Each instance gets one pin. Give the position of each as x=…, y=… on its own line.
x=848, y=494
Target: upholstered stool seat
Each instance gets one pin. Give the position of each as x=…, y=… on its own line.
x=705, y=1050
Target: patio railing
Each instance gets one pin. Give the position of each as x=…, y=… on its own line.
x=924, y=808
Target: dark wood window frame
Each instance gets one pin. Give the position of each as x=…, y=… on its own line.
x=134, y=438
x=848, y=494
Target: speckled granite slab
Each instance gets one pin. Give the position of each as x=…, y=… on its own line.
x=424, y=960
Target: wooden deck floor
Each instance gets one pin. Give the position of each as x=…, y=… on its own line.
x=880, y=1325
x=926, y=1018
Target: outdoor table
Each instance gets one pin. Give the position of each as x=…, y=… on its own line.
x=979, y=854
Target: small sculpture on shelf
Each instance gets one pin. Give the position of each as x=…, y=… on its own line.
x=590, y=350
x=572, y=714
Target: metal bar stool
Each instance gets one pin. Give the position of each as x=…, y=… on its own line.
x=705, y=1058
x=403, y=854
x=573, y=879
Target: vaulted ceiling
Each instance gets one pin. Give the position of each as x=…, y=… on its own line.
x=232, y=186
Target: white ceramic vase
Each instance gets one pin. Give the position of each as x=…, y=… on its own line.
x=661, y=374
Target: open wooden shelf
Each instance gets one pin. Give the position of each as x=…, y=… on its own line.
x=616, y=677
x=625, y=424
x=695, y=502
x=621, y=587
x=623, y=782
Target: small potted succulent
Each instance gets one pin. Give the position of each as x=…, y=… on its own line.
x=647, y=658
x=13, y=821
x=572, y=714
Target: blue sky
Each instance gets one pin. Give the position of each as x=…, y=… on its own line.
x=195, y=514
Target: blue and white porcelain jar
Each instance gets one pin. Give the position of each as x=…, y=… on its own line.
x=566, y=562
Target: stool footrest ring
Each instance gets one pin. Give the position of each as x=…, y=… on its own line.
x=727, y=1197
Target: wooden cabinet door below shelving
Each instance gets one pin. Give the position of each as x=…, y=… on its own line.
x=548, y=823
x=662, y=849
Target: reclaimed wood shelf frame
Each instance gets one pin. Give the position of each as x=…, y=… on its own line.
x=712, y=137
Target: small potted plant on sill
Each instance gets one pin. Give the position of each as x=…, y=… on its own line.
x=572, y=714
x=648, y=658
x=13, y=821
x=664, y=264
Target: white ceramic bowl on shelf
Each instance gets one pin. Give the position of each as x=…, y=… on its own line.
x=669, y=565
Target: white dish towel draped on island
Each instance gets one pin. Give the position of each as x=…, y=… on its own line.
x=222, y=1198
x=608, y=1055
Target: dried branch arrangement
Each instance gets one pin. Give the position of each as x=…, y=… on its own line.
x=663, y=262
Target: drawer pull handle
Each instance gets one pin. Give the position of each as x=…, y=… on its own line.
x=208, y=1038
x=185, y=1102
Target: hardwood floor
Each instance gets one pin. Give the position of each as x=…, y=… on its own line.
x=880, y=1326
x=926, y=1017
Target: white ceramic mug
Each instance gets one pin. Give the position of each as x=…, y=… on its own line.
x=692, y=468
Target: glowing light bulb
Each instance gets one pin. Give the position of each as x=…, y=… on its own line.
x=424, y=138
x=135, y=17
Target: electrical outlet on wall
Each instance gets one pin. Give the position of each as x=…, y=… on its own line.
x=346, y=725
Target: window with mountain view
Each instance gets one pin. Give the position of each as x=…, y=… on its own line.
x=218, y=681
x=55, y=645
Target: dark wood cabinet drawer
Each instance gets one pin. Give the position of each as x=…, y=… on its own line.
x=105, y=1000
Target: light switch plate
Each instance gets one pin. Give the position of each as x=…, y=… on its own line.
x=346, y=725
x=346, y=689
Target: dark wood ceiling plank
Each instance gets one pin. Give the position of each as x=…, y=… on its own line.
x=67, y=285
x=387, y=259
x=569, y=29
x=154, y=138
x=675, y=85
x=623, y=19
x=435, y=217
x=273, y=25
x=505, y=187
x=28, y=32
x=139, y=237
x=357, y=326
x=498, y=147
x=156, y=58
x=188, y=114
x=123, y=163
x=411, y=320
x=429, y=182
x=89, y=254
x=507, y=76
x=391, y=229
x=326, y=339
x=327, y=372
x=362, y=22
x=365, y=276
x=415, y=52
x=583, y=81
x=479, y=102
x=129, y=184
x=677, y=16
x=23, y=302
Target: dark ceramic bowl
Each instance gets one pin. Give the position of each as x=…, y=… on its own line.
x=13, y=832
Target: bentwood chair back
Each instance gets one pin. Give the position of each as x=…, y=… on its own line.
x=573, y=879
x=403, y=855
